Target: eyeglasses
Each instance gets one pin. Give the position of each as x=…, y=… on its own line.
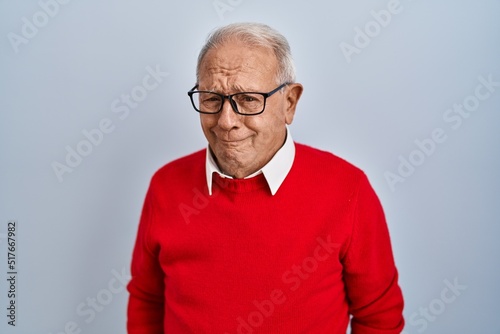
x=244, y=103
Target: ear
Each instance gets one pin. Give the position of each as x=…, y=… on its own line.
x=293, y=93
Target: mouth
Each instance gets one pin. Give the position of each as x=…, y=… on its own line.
x=233, y=141
x=232, y=144
x=230, y=140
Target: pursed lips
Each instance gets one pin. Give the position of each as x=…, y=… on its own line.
x=230, y=141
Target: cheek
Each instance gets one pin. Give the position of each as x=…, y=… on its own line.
x=265, y=129
x=273, y=129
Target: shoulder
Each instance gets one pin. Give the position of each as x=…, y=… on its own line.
x=183, y=168
x=327, y=173
x=323, y=161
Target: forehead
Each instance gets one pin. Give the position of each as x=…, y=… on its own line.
x=235, y=60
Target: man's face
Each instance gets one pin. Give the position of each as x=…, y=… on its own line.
x=244, y=144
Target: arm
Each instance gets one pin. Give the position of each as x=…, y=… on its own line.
x=146, y=288
x=371, y=278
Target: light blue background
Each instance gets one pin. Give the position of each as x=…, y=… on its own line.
x=75, y=235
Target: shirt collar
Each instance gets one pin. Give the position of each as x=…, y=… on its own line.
x=275, y=171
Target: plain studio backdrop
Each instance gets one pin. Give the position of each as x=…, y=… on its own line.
x=93, y=101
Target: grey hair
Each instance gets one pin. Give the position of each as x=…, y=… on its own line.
x=256, y=35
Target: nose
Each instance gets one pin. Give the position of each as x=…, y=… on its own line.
x=228, y=118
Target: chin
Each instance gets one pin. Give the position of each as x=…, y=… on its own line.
x=235, y=158
x=235, y=161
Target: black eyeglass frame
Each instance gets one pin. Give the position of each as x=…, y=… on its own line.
x=231, y=101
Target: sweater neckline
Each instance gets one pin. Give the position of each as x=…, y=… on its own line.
x=240, y=185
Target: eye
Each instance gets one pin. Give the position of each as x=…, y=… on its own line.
x=212, y=99
x=248, y=98
x=209, y=98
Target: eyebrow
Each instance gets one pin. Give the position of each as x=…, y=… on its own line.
x=233, y=88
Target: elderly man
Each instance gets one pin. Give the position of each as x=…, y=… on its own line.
x=257, y=233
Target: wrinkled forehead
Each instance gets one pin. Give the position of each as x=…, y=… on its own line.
x=236, y=60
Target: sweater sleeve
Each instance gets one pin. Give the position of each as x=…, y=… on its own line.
x=371, y=278
x=146, y=288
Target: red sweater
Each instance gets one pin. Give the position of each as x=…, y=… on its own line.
x=243, y=261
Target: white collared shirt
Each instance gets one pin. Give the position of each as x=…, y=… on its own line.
x=275, y=171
